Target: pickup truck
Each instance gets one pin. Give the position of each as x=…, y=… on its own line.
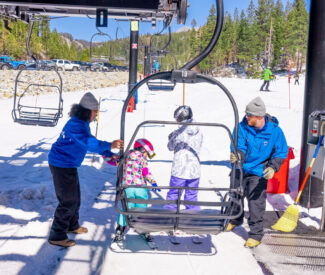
x=85, y=66
x=66, y=65
x=20, y=65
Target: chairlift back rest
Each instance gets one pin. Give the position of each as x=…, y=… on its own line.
x=163, y=85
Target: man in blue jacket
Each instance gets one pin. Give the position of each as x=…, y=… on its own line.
x=262, y=148
x=66, y=155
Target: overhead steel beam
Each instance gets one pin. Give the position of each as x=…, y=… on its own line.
x=140, y=10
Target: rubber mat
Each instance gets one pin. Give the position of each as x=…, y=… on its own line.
x=293, y=253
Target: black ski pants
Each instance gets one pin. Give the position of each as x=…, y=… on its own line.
x=265, y=83
x=255, y=192
x=67, y=190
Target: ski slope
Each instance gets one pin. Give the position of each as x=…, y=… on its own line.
x=27, y=198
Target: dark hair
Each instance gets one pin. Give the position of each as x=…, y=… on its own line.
x=80, y=112
x=140, y=149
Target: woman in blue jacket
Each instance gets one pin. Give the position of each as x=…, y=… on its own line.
x=66, y=155
x=262, y=148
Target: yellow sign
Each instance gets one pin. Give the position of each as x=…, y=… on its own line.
x=134, y=25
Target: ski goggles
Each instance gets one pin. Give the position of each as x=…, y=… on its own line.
x=249, y=115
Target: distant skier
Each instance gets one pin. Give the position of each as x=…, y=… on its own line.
x=157, y=66
x=267, y=75
x=136, y=172
x=186, y=143
x=296, y=77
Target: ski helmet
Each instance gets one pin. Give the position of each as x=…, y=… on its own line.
x=183, y=113
x=144, y=145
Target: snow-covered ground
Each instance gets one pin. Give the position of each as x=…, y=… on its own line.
x=27, y=198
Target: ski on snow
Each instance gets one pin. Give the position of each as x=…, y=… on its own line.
x=150, y=242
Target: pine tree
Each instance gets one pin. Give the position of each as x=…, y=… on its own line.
x=297, y=36
x=263, y=20
x=225, y=47
x=279, y=31
x=243, y=40
x=207, y=31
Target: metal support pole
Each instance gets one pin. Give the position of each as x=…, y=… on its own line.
x=314, y=96
x=146, y=63
x=133, y=65
x=322, y=221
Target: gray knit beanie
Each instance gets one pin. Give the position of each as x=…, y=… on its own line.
x=256, y=107
x=89, y=102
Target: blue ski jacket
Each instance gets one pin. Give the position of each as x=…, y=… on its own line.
x=73, y=143
x=261, y=148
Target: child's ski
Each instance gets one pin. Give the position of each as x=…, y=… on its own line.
x=151, y=243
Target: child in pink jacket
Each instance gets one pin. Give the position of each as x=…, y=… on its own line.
x=136, y=172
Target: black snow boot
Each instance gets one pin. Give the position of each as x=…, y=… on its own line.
x=119, y=233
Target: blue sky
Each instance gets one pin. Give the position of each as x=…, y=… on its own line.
x=84, y=28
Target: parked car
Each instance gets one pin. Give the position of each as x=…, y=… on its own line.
x=85, y=66
x=66, y=65
x=5, y=66
x=116, y=68
x=44, y=65
x=99, y=67
x=15, y=64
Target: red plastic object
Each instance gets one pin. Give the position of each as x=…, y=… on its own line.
x=130, y=105
x=279, y=183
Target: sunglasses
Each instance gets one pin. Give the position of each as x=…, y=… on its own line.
x=249, y=115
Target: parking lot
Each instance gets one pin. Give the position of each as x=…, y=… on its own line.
x=8, y=63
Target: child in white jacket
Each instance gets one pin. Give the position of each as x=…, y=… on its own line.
x=186, y=143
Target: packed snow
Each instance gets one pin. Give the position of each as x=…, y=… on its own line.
x=28, y=201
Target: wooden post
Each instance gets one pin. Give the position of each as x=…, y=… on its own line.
x=97, y=125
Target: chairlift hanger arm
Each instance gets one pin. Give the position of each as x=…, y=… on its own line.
x=28, y=41
x=167, y=43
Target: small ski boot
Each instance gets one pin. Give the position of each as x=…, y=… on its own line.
x=173, y=239
x=119, y=234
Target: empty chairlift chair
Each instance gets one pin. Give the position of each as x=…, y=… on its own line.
x=29, y=107
x=32, y=109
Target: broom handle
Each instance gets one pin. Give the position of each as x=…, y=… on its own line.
x=309, y=168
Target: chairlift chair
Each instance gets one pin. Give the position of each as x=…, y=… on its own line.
x=99, y=58
x=120, y=58
x=212, y=220
x=203, y=221
x=160, y=84
x=38, y=114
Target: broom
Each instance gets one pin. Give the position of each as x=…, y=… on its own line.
x=288, y=221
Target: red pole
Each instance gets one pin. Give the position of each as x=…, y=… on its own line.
x=289, y=81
